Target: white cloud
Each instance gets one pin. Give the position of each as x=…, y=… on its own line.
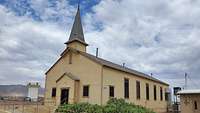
x=156, y=36
x=27, y=47
x=159, y=37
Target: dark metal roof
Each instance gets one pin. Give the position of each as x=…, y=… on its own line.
x=120, y=68
x=77, y=30
x=110, y=65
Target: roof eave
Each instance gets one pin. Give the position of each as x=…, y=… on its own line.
x=137, y=75
x=70, y=41
x=188, y=93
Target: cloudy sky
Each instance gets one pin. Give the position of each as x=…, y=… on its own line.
x=152, y=36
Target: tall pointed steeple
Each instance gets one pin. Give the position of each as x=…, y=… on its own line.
x=77, y=30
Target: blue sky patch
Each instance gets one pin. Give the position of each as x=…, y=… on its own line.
x=23, y=7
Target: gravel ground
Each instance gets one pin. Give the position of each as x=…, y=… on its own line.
x=4, y=111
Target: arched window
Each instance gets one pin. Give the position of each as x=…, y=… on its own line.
x=195, y=105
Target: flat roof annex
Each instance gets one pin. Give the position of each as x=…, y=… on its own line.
x=187, y=92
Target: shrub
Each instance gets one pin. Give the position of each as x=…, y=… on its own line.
x=113, y=106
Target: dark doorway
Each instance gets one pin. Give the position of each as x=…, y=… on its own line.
x=64, y=96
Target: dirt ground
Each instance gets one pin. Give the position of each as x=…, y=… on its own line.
x=24, y=107
x=1, y=111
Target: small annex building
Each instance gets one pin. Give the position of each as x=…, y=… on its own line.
x=190, y=101
x=78, y=76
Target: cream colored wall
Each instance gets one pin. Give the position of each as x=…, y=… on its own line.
x=86, y=70
x=78, y=46
x=65, y=83
x=116, y=78
x=90, y=74
x=187, y=103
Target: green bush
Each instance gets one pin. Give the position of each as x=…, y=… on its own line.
x=113, y=106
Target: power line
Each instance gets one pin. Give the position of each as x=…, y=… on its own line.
x=186, y=76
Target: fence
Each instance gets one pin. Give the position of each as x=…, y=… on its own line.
x=25, y=107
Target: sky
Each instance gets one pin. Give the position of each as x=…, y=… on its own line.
x=151, y=36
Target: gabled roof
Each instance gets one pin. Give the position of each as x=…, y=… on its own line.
x=71, y=76
x=77, y=30
x=110, y=65
x=120, y=68
x=191, y=91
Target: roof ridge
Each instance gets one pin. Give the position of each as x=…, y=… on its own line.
x=121, y=68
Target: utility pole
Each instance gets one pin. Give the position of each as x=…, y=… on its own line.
x=123, y=65
x=151, y=74
x=186, y=76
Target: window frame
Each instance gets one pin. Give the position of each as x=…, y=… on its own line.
x=53, y=92
x=195, y=105
x=155, y=92
x=126, y=88
x=147, y=91
x=70, y=58
x=166, y=95
x=161, y=93
x=111, y=91
x=87, y=93
x=138, y=90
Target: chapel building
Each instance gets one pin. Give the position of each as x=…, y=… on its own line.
x=78, y=76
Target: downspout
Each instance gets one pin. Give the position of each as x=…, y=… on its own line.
x=102, y=85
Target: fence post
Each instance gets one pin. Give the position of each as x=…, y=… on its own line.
x=13, y=109
x=35, y=110
x=37, y=107
x=23, y=108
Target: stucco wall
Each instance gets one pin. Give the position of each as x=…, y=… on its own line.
x=86, y=70
x=116, y=78
x=65, y=83
x=78, y=46
x=187, y=103
x=90, y=73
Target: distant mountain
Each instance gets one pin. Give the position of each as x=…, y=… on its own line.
x=16, y=90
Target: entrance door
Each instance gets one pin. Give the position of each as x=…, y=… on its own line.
x=64, y=96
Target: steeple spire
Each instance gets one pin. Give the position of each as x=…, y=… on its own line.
x=77, y=29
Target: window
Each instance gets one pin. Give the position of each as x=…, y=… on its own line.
x=195, y=105
x=155, y=95
x=111, y=91
x=138, y=89
x=53, y=93
x=166, y=96
x=147, y=91
x=86, y=91
x=161, y=93
x=70, y=58
x=126, y=88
